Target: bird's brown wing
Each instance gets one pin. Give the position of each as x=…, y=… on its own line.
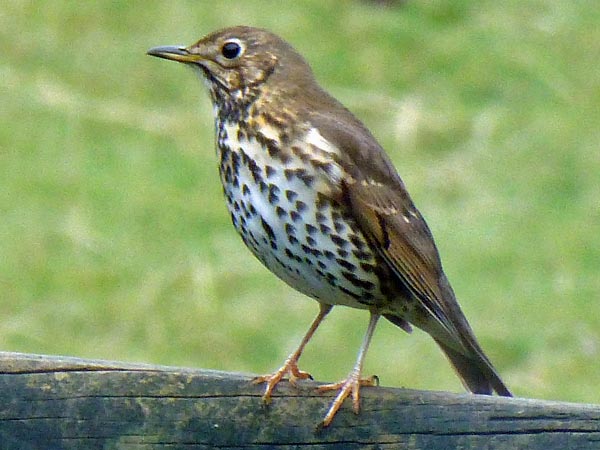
x=391, y=222
x=380, y=204
x=387, y=216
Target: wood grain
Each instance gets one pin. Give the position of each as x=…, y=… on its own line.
x=50, y=402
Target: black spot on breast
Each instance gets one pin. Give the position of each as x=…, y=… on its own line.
x=297, y=151
x=311, y=251
x=295, y=216
x=291, y=195
x=280, y=212
x=275, y=151
x=253, y=238
x=254, y=170
x=345, y=264
x=245, y=189
x=269, y=171
x=300, y=206
x=301, y=174
x=227, y=174
x=324, y=229
x=343, y=253
x=349, y=292
x=235, y=161
x=331, y=279
x=323, y=202
x=225, y=150
x=247, y=214
x=357, y=242
x=223, y=131
x=363, y=284
x=289, y=228
x=267, y=229
x=307, y=179
x=310, y=241
x=273, y=194
x=292, y=255
x=245, y=158
x=339, y=241
x=363, y=256
x=324, y=166
x=310, y=229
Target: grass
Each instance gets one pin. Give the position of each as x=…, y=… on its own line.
x=115, y=242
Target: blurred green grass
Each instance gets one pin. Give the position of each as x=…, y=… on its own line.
x=115, y=242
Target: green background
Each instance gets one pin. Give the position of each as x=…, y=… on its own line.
x=115, y=242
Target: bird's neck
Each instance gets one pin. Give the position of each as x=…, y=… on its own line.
x=235, y=105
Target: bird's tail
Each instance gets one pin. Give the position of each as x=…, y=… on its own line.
x=477, y=372
x=448, y=326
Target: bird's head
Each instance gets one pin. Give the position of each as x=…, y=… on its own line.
x=236, y=60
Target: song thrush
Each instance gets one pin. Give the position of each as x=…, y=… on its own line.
x=316, y=199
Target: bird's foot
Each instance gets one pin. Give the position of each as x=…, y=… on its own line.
x=347, y=387
x=289, y=369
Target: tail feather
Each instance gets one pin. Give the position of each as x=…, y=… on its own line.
x=444, y=321
x=462, y=349
x=476, y=373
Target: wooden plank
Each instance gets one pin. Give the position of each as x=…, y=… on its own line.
x=49, y=402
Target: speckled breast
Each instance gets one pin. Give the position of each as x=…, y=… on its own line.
x=278, y=204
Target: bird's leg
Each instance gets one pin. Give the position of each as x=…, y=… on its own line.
x=290, y=366
x=352, y=384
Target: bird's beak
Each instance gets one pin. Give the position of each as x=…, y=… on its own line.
x=175, y=53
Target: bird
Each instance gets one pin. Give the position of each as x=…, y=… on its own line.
x=317, y=200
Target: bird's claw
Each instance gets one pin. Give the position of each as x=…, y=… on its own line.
x=345, y=388
x=289, y=369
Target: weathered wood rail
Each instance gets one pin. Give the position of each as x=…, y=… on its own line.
x=49, y=402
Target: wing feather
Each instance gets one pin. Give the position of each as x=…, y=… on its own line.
x=404, y=241
x=385, y=213
x=387, y=216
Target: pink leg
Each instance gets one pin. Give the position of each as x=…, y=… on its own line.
x=352, y=384
x=290, y=366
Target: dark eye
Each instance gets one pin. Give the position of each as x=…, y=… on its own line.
x=231, y=50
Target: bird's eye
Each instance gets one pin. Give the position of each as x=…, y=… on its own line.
x=231, y=49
